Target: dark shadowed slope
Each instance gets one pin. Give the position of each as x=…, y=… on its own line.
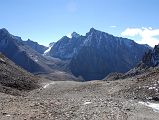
x=149, y=63
x=14, y=78
x=14, y=48
x=24, y=55
x=34, y=45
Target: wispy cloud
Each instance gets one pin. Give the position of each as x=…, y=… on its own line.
x=113, y=26
x=147, y=35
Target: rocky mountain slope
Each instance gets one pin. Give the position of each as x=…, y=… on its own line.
x=27, y=54
x=35, y=46
x=13, y=79
x=145, y=78
x=151, y=59
x=24, y=56
x=66, y=47
x=97, y=54
x=149, y=63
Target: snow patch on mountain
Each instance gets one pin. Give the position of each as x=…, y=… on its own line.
x=46, y=52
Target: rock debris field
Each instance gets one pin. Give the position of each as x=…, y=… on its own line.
x=68, y=100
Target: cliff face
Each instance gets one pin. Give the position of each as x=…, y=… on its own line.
x=97, y=54
x=103, y=54
x=151, y=58
x=34, y=45
x=15, y=49
x=66, y=47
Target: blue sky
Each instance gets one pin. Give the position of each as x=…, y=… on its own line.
x=46, y=21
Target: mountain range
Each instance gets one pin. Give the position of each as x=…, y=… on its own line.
x=15, y=49
x=97, y=54
x=53, y=92
x=88, y=57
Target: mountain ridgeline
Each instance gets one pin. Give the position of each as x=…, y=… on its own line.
x=90, y=57
x=21, y=53
x=97, y=54
x=34, y=45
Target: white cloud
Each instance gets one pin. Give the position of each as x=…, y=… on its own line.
x=148, y=35
x=131, y=32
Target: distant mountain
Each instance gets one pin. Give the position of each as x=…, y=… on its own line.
x=97, y=54
x=15, y=49
x=148, y=64
x=28, y=57
x=34, y=45
x=92, y=56
x=66, y=47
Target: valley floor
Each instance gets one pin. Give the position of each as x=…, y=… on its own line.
x=59, y=100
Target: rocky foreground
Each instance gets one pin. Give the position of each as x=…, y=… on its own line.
x=95, y=100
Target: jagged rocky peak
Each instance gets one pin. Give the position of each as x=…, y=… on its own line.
x=97, y=34
x=4, y=35
x=64, y=38
x=151, y=58
x=75, y=35
x=4, y=32
x=51, y=44
x=30, y=41
x=93, y=30
x=156, y=49
x=67, y=47
x=35, y=46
